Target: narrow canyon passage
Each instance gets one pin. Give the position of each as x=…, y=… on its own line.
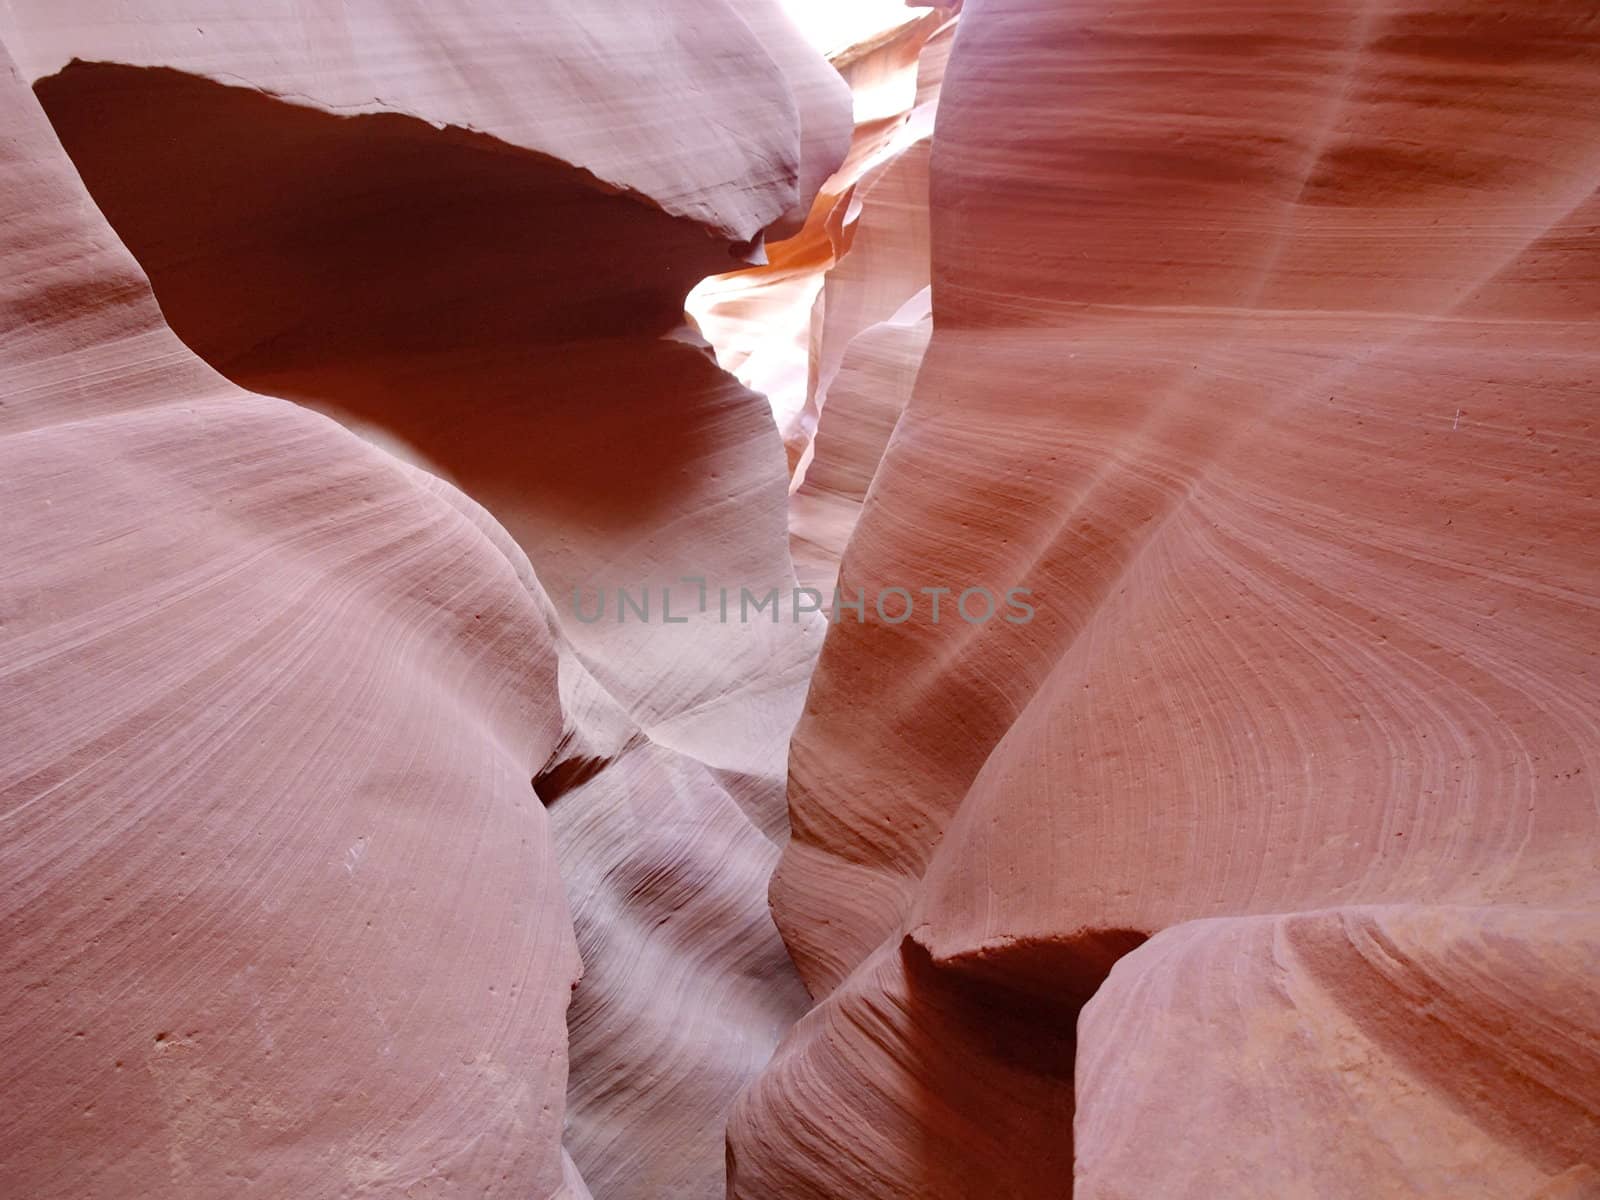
x=800, y=601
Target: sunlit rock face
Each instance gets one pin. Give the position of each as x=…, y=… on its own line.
x=771, y=324
x=1267, y=369
x=391, y=809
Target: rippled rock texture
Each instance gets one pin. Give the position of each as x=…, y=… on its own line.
x=281, y=913
x=1269, y=370
x=356, y=843
x=293, y=701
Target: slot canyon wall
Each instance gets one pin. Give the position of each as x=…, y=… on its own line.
x=355, y=842
x=299, y=697
x=1262, y=862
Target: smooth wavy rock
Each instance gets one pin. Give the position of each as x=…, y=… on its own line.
x=666, y=798
x=483, y=272
x=868, y=391
x=487, y=310
x=709, y=130
x=687, y=988
x=978, y=1099
x=1192, y=461
x=281, y=915
x=766, y=321
x=884, y=261
x=1406, y=1051
x=1268, y=373
x=872, y=318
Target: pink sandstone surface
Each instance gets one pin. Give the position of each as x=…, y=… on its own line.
x=1257, y=343
x=424, y=266
x=1269, y=371
x=769, y=322
x=281, y=913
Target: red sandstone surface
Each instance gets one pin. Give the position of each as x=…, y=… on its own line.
x=348, y=850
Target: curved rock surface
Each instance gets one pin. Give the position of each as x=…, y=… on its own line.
x=486, y=279
x=1252, y=853
x=1267, y=373
x=866, y=395
x=281, y=914
x=706, y=131
x=884, y=262
x=770, y=323
x=1411, y=1051
x=914, y=1084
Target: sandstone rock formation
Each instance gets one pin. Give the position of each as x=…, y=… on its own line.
x=1408, y=1051
x=883, y=259
x=770, y=323
x=391, y=806
x=480, y=267
x=281, y=913
x=870, y=326
x=1269, y=372
x=865, y=395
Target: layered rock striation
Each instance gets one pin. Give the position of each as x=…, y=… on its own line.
x=466, y=235
x=281, y=914
x=393, y=803
x=1267, y=372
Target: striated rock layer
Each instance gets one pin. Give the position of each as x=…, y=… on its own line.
x=870, y=329
x=1414, y=1051
x=866, y=395
x=1254, y=855
x=1268, y=371
x=770, y=323
x=281, y=914
x=586, y=86
x=466, y=234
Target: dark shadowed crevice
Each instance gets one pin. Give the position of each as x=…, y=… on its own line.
x=557, y=780
x=1014, y=1006
x=1015, y=1130
x=1058, y=974
x=278, y=235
